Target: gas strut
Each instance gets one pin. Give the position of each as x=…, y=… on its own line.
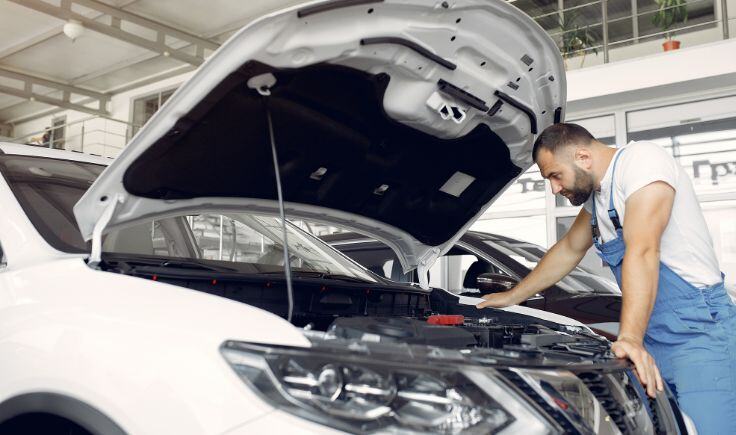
x=266, y=92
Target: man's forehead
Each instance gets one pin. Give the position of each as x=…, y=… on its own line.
x=547, y=162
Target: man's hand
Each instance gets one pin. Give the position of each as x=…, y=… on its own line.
x=499, y=300
x=646, y=367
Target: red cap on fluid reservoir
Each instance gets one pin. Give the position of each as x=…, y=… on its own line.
x=446, y=319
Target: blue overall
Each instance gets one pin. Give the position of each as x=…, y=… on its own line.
x=691, y=335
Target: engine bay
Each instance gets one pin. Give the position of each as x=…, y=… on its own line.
x=533, y=344
x=386, y=313
x=389, y=324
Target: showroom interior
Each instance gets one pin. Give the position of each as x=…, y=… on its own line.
x=85, y=76
x=683, y=99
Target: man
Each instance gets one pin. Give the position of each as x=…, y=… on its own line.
x=641, y=211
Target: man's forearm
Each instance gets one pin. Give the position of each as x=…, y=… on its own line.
x=556, y=263
x=639, y=279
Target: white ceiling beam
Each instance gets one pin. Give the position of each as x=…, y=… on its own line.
x=152, y=79
x=16, y=75
x=28, y=82
x=115, y=29
x=38, y=39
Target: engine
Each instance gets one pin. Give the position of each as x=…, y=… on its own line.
x=460, y=332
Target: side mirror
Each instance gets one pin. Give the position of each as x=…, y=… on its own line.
x=495, y=283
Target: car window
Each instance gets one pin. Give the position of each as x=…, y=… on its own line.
x=462, y=267
x=380, y=260
x=47, y=190
x=578, y=281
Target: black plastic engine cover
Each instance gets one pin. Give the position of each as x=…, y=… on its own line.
x=401, y=330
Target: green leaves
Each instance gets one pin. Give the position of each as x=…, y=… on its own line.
x=669, y=13
x=575, y=38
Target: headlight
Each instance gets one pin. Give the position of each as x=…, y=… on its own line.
x=361, y=393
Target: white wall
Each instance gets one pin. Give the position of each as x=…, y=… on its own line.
x=695, y=63
x=99, y=136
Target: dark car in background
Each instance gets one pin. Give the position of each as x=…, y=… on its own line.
x=482, y=263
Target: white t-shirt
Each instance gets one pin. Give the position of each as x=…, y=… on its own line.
x=686, y=246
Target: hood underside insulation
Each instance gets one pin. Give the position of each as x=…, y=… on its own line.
x=337, y=148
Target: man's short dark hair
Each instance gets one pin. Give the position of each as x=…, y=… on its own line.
x=559, y=135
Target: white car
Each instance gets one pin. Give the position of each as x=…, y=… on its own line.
x=172, y=298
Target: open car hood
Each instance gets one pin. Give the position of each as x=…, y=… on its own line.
x=402, y=120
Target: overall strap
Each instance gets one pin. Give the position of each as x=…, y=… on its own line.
x=612, y=213
x=594, y=222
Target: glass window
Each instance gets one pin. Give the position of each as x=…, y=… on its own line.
x=144, y=108
x=602, y=128
x=700, y=12
x=700, y=135
x=580, y=280
x=722, y=225
x=458, y=267
x=707, y=151
x=578, y=30
x=58, y=132
x=543, y=12
x=47, y=190
x=531, y=229
x=526, y=193
x=379, y=259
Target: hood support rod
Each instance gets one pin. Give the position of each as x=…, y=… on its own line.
x=266, y=92
x=95, y=257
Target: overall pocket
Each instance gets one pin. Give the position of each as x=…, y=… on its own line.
x=696, y=318
x=679, y=325
x=720, y=305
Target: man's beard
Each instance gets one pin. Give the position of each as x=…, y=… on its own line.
x=582, y=187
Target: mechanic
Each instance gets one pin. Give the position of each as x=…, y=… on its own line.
x=641, y=212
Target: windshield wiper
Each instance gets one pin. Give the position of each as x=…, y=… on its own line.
x=340, y=277
x=318, y=275
x=133, y=263
x=193, y=264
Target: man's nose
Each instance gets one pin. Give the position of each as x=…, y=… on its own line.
x=556, y=187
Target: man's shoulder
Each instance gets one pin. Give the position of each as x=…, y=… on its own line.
x=645, y=154
x=644, y=148
x=645, y=162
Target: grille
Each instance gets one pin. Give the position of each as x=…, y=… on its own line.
x=621, y=397
x=559, y=418
x=654, y=413
x=598, y=386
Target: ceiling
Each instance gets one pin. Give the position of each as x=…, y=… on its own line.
x=125, y=44
x=129, y=43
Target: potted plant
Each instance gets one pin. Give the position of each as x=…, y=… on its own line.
x=574, y=38
x=669, y=13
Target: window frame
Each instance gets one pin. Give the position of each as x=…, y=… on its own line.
x=132, y=128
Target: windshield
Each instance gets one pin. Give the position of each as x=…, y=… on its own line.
x=47, y=190
x=579, y=280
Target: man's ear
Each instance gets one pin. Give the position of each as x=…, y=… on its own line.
x=583, y=157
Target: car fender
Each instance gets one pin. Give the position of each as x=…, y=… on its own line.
x=144, y=353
